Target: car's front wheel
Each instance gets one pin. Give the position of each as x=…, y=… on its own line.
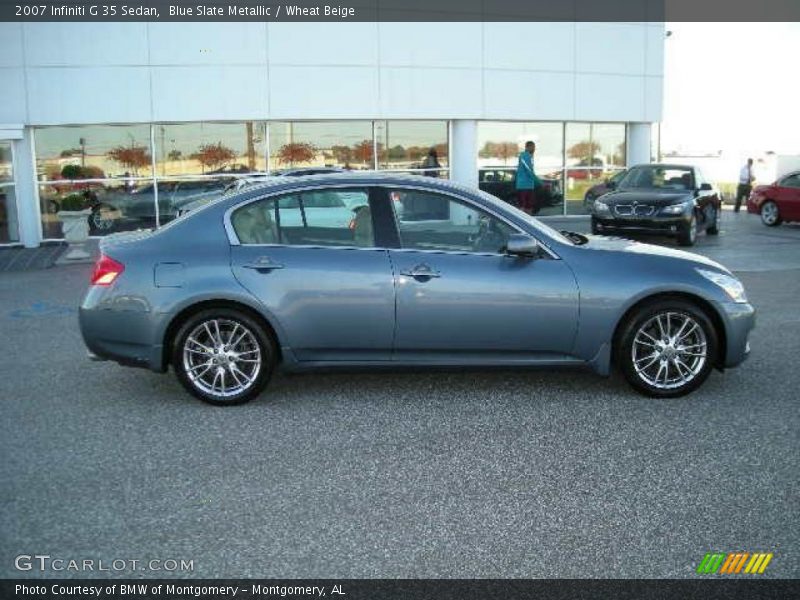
x=667, y=348
x=713, y=227
x=687, y=235
x=223, y=356
x=595, y=226
x=770, y=215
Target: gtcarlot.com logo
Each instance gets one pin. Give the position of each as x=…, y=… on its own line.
x=734, y=563
x=45, y=562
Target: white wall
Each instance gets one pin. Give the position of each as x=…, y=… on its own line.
x=64, y=73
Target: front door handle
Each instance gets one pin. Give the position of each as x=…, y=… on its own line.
x=421, y=271
x=263, y=263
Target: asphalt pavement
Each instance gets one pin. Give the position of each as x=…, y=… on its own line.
x=455, y=474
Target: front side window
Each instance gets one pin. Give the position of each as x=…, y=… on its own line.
x=430, y=221
x=792, y=181
x=340, y=217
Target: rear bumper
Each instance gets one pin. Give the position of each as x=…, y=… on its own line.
x=125, y=335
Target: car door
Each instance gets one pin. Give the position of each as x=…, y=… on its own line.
x=322, y=277
x=789, y=197
x=460, y=297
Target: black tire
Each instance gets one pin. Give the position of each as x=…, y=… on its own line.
x=595, y=226
x=770, y=215
x=645, y=314
x=713, y=229
x=687, y=235
x=259, y=345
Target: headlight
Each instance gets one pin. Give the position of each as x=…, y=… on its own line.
x=673, y=209
x=732, y=286
x=601, y=206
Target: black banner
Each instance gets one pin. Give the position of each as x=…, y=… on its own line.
x=400, y=10
x=403, y=589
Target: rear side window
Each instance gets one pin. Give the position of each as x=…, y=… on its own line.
x=340, y=217
x=792, y=181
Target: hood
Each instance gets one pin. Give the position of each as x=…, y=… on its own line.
x=617, y=244
x=646, y=196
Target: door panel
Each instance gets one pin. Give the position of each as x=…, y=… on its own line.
x=484, y=304
x=333, y=303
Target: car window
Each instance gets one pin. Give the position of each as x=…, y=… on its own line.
x=792, y=181
x=659, y=177
x=308, y=218
x=430, y=221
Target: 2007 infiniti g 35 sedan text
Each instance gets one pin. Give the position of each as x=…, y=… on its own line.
x=359, y=270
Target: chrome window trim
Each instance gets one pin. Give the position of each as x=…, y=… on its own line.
x=233, y=239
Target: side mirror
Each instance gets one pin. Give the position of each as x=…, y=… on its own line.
x=705, y=187
x=520, y=244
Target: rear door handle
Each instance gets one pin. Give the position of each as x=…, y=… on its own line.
x=263, y=263
x=421, y=271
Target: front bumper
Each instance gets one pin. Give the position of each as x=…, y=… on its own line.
x=740, y=320
x=657, y=225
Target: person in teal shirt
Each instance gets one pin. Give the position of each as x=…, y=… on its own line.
x=526, y=180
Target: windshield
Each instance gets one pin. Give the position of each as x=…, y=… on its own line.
x=658, y=177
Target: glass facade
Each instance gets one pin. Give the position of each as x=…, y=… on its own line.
x=8, y=203
x=135, y=176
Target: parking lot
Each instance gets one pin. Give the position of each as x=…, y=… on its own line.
x=414, y=474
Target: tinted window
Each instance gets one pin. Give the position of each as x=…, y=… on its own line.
x=430, y=221
x=314, y=218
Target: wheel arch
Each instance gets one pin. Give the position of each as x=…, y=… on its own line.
x=706, y=306
x=187, y=312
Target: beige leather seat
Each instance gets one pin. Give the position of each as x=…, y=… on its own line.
x=362, y=227
x=254, y=225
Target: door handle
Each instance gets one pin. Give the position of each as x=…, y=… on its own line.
x=421, y=271
x=263, y=263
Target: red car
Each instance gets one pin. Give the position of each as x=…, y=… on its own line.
x=778, y=202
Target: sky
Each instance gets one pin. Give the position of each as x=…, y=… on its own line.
x=733, y=87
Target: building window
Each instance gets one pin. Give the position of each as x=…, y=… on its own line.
x=595, y=152
x=499, y=146
x=8, y=204
x=342, y=144
x=210, y=148
x=419, y=147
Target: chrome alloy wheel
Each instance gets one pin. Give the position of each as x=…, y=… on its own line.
x=669, y=350
x=222, y=357
x=769, y=213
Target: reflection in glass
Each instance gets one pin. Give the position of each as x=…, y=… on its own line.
x=93, y=152
x=6, y=163
x=407, y=145
x=210, y=148
x=595, y=153
x=344, y=144
x=115, y=205
x=8, y=215
x=500, y=142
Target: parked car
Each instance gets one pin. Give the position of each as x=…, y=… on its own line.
x=777, y=202
x=594, y=192
x=499, y=182
x=172, y=197
x=666, y=199
x=231, y=291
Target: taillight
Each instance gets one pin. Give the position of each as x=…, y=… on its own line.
x=106, y=270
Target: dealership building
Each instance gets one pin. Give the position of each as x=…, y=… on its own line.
x=141, y=118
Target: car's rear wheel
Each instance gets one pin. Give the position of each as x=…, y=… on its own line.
x=687, y=236
x=667, y=349
x=223, y=356
x=770, y=215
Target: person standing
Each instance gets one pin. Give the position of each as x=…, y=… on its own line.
x=525, y=181
x=746, y=179
x=431, y=163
